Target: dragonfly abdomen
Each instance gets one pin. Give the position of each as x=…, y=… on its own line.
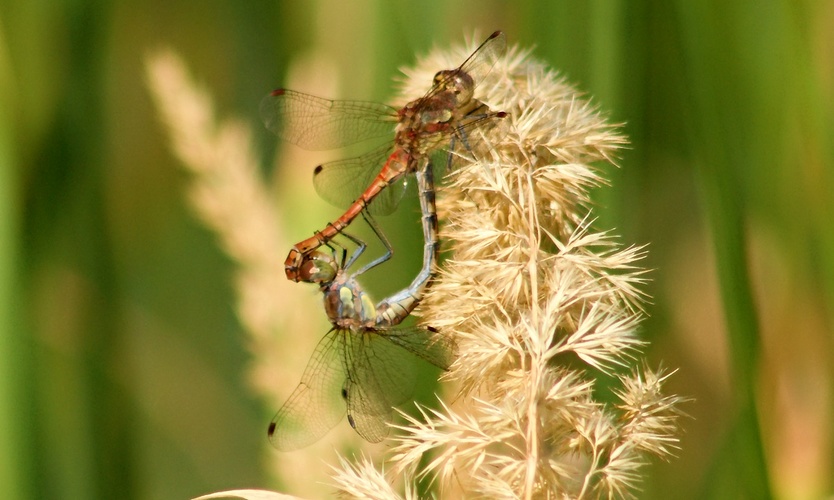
x=397, y=307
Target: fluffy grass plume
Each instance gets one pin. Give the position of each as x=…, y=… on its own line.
x=541, y=305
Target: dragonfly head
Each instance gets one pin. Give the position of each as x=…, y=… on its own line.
x=315, y=267
x=459, y=83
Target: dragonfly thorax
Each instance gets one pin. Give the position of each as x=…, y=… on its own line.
x=423, y=124
x=426, y=123
x=347, y=305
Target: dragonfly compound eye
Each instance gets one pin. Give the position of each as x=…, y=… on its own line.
x=318, y=267
x=463, y=86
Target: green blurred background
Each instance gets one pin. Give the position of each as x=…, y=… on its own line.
x=122, y=362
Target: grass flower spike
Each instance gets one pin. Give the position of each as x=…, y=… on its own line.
x=542, y=306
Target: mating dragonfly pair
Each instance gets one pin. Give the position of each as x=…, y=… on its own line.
x=365, y=359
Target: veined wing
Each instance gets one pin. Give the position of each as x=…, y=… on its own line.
x=427, y=344
x=341, y=182
x=315, y=123
x=315, y=405
x=380, y=376
x=381, y=373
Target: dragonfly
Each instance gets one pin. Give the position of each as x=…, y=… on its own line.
x=364, y=366
x=442, y=117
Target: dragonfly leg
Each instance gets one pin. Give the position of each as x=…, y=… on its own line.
x=478, y=114
x=389, y=251
x=460, y=134
x=360, y=249
x=335, y=248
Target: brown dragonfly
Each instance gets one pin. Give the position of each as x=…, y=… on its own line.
x=439, y=119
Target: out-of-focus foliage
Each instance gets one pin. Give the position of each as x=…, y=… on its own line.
x=122, y=362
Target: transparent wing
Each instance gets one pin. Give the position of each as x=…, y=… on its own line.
x=380, y=376
x=341, y=182
x=426, y=343
x=381, y=373
x=315, y=123
x=315, y=406
x=372, y=428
